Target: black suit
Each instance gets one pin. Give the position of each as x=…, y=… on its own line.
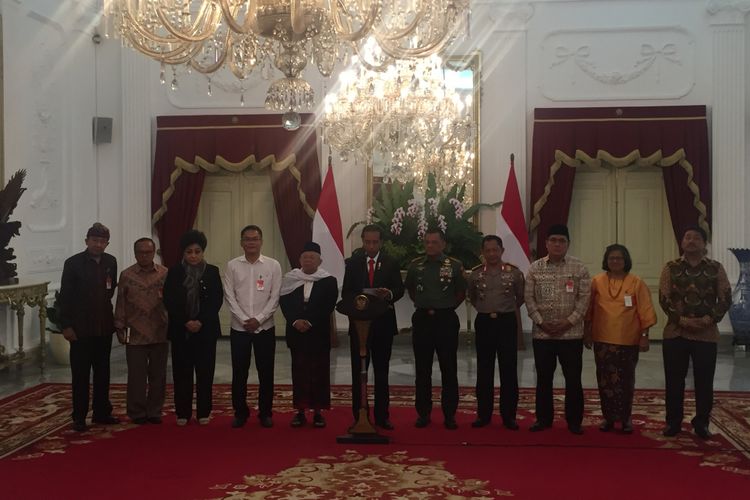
x=193, y=352
x=86, y=291
x=380, y=341
x=311, y=350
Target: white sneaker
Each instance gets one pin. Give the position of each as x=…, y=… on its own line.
x=182, y=421
x=203, y=421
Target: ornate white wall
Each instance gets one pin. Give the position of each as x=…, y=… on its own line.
x=534, y=54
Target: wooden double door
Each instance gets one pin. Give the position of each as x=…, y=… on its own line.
x=625, y=205
x=229, y=202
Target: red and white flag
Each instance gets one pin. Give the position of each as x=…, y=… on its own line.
x=511, y=225
x=327, y=230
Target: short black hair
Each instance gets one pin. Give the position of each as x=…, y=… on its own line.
x=698, y=230
x=625, y=255
x=492, y=237
x=437, y=231
x=251, y=227
x=372, y=228
x=141, y=240
x=193, y=236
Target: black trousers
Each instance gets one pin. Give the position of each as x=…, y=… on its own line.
x=193, y=354
x=497, y=338
x=379, y=346
x=89, y=354
x=435, y=333
x=265, y=351
x=677, y=353
x=546, y=354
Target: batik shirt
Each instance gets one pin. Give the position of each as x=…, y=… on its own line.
x=694, y=292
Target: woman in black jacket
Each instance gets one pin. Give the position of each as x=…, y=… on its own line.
x=193, y=296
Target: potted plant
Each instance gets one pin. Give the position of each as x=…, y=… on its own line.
x=404, y=220
x=59, y=347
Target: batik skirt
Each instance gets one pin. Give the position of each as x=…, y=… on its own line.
x=615, y=374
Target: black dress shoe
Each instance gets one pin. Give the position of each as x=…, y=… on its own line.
x=450, y=424
x=238, y=422
x=671, y=430
x=80, y=426
x=511, y=425
x=154, y=420
x=575, y=429
x=299, y=420
x=319, y=421
x=108, y=420
x=538, y=426
x=627, y=427
x=702, y=431
x=140, y=420
x=385, y=424
x=480, y=422
x=422, y=422
x=607, y=426
x=266, y=422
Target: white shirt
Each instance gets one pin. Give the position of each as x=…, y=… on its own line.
x=251, y=290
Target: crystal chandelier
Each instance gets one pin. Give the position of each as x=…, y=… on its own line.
x=406, y=121
x=241, y=35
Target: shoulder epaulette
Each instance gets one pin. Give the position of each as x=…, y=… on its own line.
x=512, y=266
x=455, y=260
x=476, y=267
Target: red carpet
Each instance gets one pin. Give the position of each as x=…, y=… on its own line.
x=43, y=458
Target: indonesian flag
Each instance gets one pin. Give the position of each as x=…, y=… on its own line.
x=327, y=230
x=511, y=225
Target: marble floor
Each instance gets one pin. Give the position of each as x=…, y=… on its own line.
x=732, y=370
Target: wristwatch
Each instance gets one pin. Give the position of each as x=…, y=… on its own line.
x=644, y=334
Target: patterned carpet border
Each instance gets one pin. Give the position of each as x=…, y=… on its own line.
x=35, y=414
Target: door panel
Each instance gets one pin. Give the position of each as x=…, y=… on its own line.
x=230, y=202
x=591, y=216
x=628, y=206
x=645, y=227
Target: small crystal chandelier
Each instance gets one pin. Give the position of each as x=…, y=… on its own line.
x=406, y=120
x=241, y=35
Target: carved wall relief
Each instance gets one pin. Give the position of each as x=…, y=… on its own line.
x=622, y=63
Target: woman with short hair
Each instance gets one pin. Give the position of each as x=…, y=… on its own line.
x=619, y=316
x=193, y=295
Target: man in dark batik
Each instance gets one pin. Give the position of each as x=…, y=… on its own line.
x=308, y=297
x=695, y=293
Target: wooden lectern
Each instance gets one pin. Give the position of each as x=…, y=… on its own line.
x=361, y=310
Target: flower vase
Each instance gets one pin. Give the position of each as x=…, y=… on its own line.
x=739, y=312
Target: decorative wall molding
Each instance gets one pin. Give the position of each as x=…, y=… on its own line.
x=45, y=259
x=46, y=200
x=728, y=11
x=617, y=63
x=506, y=17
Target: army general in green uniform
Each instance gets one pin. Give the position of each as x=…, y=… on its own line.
x=437, y=286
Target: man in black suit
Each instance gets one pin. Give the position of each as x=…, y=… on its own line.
x=89, y=280
x=371, y=268
x=308, y=297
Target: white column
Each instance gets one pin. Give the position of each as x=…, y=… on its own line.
x=729, y=130
x=136, y=151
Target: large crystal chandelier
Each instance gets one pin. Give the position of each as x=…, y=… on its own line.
x=405, y=120
x=241, y=35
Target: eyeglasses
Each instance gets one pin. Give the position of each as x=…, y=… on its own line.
x=251, y=240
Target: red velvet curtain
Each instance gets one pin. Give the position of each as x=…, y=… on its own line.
x=619, y=132
x=234, y=138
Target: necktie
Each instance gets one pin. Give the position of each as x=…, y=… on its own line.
x=371, y=270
